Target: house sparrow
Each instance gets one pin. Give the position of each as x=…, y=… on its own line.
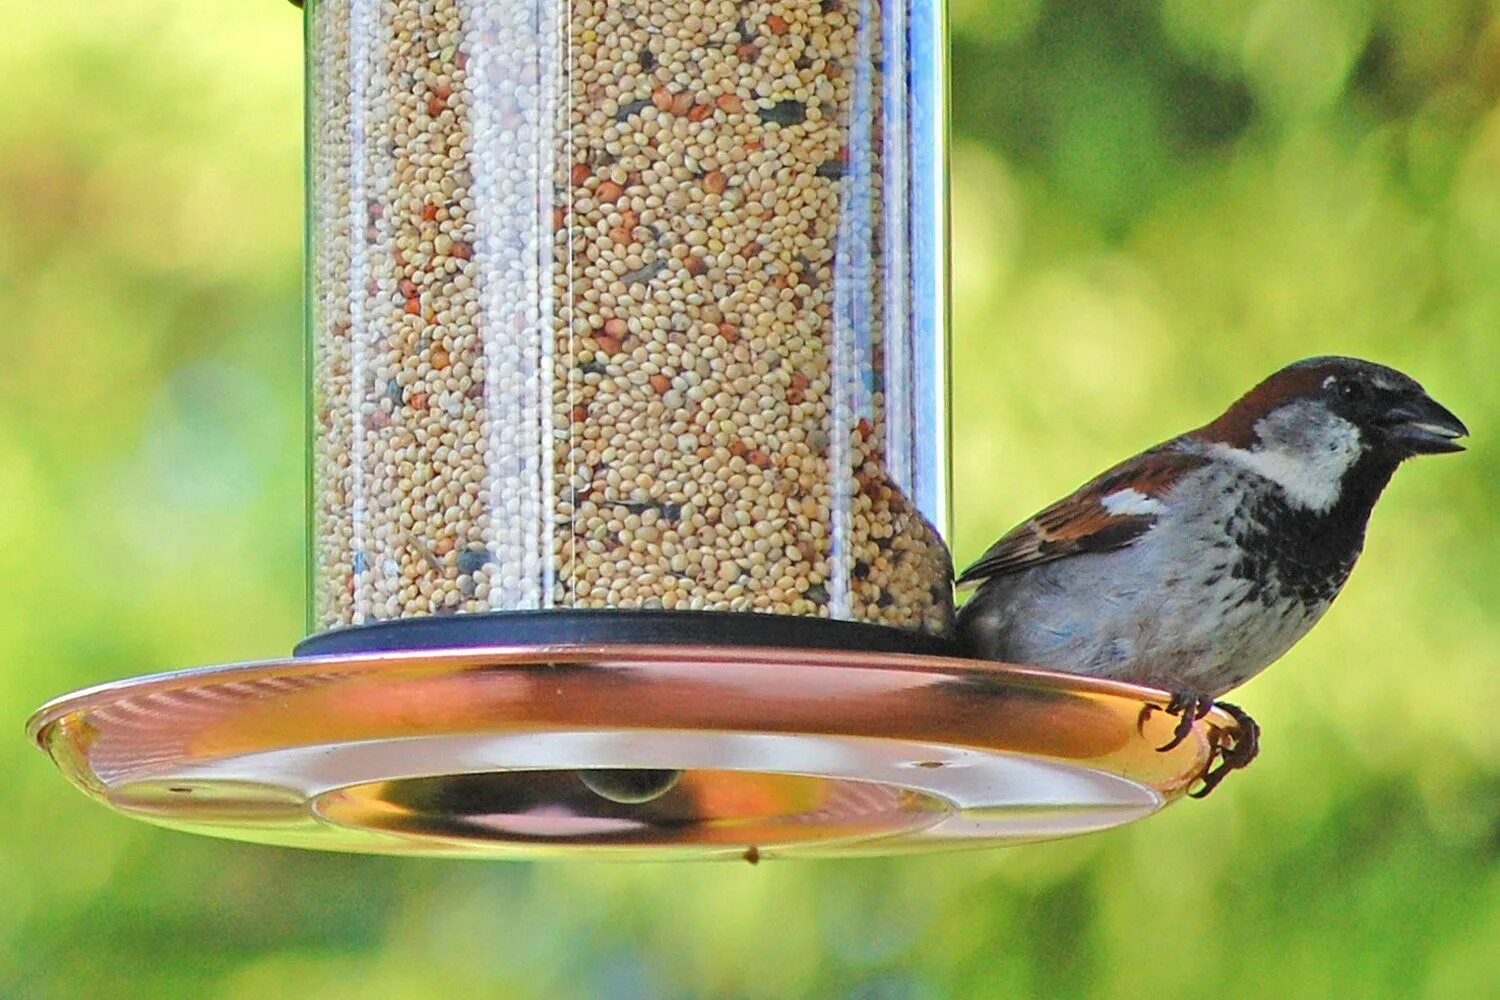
x=1194, y=565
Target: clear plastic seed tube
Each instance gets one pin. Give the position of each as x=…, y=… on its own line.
x=627, y=305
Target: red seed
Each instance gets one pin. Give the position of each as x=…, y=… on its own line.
x=800, y=381
x=715, y=181
x=759, y=458
x=729, y=333
x=409, y=288
x=747, y=53
x=662, y=98
x=429, y=213
x=581, y=172
x=660, y=383
x=559, y=217
x=682, y=103
x=580, y=413
x=700, y=112
x=777, y=24
x=443, y=546
x=729, y=103
x=865, y=428
x=443, y=90
x=620, y=235
x=414, y=305
x=462, y=249
x=738, y=447
x=695, y=265
x=609, y=345
x=418, y=401
x=609, y=191
x=616, y=327
x=435, y=107
x=440, y=358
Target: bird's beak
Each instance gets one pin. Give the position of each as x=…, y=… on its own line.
x=1422, y=426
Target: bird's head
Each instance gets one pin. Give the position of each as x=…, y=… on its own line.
x=1315, y=425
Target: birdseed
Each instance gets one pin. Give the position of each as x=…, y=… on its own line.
x=599, y=296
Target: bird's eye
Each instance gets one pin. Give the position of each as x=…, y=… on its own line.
x=1350, y=391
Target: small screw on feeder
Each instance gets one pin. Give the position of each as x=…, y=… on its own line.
x=628, y=468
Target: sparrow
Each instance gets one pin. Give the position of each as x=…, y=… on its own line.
x=1196, y=564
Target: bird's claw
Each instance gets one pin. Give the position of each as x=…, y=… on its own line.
x=1189, y=708
x=1237, y=754
x=1231, y=754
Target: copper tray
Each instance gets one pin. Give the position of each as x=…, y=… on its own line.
x=485, y=752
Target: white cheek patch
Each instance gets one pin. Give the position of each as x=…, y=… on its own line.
x=1307, y=458
x=1128, y=501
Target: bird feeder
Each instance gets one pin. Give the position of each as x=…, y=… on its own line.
x=628, y=466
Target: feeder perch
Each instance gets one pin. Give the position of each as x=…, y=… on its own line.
x=628, y=467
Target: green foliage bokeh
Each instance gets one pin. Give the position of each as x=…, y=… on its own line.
x=1155, y=204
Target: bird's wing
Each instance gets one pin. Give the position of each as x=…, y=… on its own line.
x=1108, y=513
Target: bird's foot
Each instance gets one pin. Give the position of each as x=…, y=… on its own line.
x=1189, y=708
x=1233, y=753
x=1226, y=753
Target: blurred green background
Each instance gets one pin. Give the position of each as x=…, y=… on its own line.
x=1155, y=205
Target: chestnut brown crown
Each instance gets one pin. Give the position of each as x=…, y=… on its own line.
x=1394, y=414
